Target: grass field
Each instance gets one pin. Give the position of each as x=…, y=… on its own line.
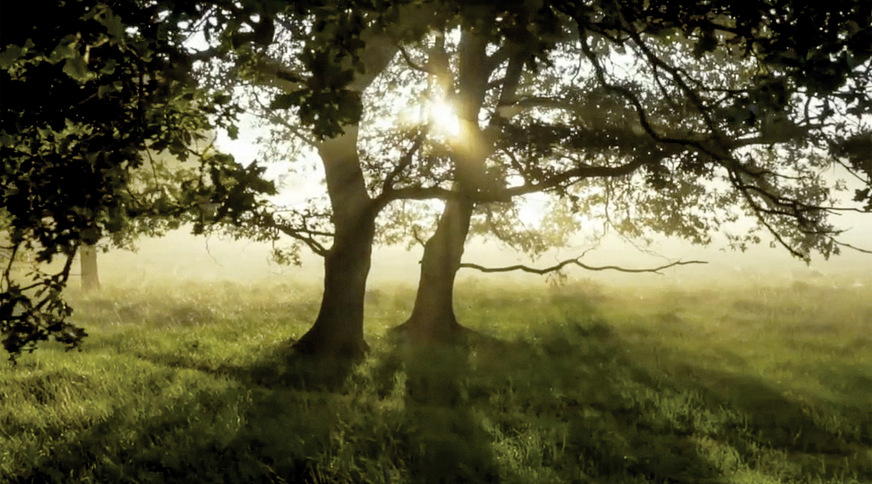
x=581, y=383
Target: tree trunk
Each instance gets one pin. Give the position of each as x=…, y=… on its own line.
x=338, y=329
x=432, y=317
x=88, y=266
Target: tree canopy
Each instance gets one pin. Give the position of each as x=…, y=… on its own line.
x=91, y=92
x=675, y=118
x=672, y=117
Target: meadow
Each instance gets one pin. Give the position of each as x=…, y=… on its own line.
x=576, y=383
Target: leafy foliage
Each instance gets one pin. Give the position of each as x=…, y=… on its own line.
x=90, y=91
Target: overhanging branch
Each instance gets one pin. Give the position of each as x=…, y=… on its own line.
x=577, y=262
x=852, y=247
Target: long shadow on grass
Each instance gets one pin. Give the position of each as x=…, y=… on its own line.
x=568, y=405
x=572, y=402
x=279, y=366
x=444, y=441
x=578, y=401
x=271, y=421
x=161, y=435
x=769, y=419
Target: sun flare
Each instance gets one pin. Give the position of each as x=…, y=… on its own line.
x=443, y=120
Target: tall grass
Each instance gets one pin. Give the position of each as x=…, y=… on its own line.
x=582, y=383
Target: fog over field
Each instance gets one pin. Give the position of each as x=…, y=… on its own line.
x=181, y=255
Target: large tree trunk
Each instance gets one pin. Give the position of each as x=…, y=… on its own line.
x=88, y=268
x=338, y=330
x=432, y=317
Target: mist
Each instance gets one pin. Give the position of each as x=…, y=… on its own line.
x=182, y=256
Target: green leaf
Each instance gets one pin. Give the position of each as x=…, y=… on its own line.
x=9, y=56
x=286, y=101
x=109, y=68
x=66, y=49
x=113, y=24
x=76, y=68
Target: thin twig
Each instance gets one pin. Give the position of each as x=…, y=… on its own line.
x=858, y=249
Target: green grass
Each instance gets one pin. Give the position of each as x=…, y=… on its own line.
x=583, y=383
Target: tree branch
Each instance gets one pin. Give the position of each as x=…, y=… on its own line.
x=578, y=172
x=852, y=247
x=577, y=262
x=758, y=212
x=404, y=163
x=412, y=63
x=501, y=195
x=275, y=118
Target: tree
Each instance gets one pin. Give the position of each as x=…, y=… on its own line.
x=90, y=90
x=719, y=106
x=158, y=187
x=88, y=268
x=720, y=92
x=718, y=86
x=315, y=63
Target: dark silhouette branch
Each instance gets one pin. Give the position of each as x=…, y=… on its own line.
x=852, y=247
x=577, y=262
x=759, y=214
x=6, y=272
x=298, y=230
x=412, y=63
x=501, y=195
x=404, y=163
x=275, y=118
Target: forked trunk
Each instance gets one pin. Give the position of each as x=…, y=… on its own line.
x=88, y=268
x=433, y=316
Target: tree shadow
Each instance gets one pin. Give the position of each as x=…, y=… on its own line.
x=445, y=441
x=573, y=401
x=266, y=421
x=568, y=391
x=181, y=440
x=770, y=418
x=278, y=366
x=611, y=415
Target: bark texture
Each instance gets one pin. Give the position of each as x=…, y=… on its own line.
x=338, y=329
